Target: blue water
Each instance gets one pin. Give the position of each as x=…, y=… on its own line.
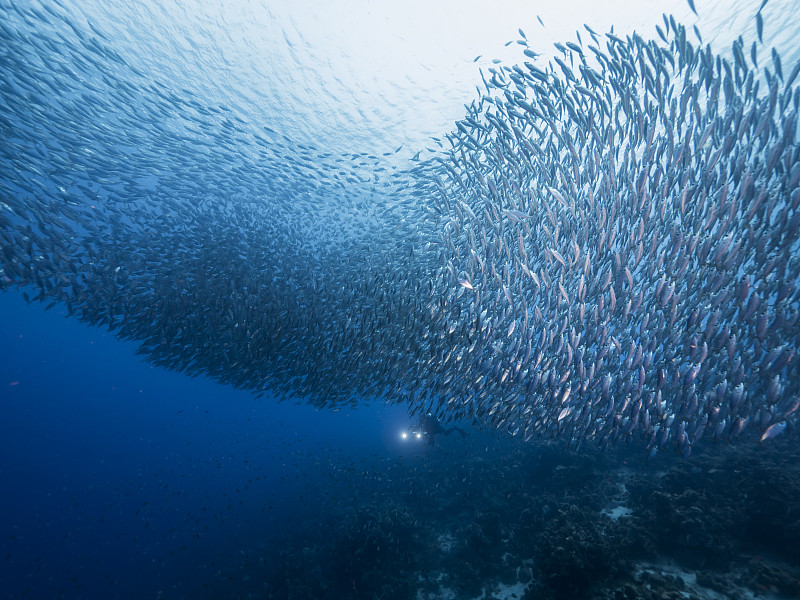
x=122, y=480
x=119, y=479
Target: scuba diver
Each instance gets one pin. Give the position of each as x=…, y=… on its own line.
x=429, y=426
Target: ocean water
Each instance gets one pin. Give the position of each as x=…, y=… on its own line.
x=137, y=462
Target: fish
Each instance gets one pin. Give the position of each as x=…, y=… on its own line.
x=773, y=431
x=600, y=250
x=694, y=282
x=760, y=27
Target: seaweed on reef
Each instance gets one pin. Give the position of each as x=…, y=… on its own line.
x=371, y=552
x=574, y=553
x=706, y=514
x=547, y=522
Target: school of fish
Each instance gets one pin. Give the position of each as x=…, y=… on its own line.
x=606, y=247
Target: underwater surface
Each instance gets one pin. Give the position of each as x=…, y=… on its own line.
x=428, y=300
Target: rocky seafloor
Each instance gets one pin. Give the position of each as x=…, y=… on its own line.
x=496, y=519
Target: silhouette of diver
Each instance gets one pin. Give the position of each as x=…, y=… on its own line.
x=429, y=426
